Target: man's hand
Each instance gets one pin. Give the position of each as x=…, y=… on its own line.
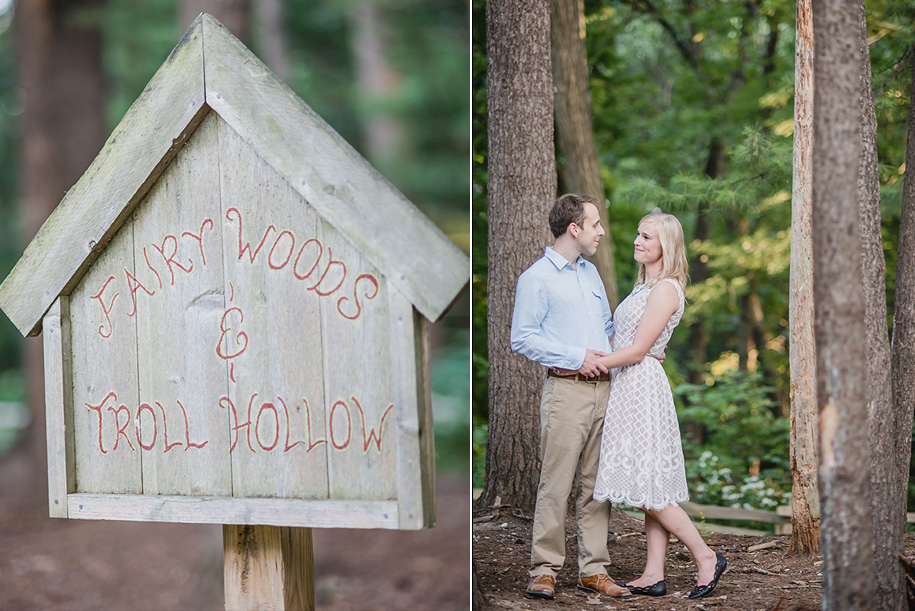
x=663, y=355
x=591, y=366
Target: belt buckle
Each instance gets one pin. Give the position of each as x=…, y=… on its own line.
x=592, y=380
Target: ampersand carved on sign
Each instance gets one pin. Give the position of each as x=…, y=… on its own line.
x=241, y=338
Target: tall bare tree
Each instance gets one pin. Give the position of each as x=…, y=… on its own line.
x=881, y=413
x=805, y=501
x=234, y=14
x=903, y=358
x=271, y=21
x=522, y=187
x=579, y=167
x=839, y=308
x=377, y=80
x=63, y=128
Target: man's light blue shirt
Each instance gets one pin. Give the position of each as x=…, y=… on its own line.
x=561, y=310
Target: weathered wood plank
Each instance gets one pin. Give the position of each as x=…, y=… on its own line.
x=396, y=238
x=415, y=456
x=426, y=435
x=59, y=406
x=179, y=306
x=234, y=510
x=358, y=396
x=268, y=567
x=91, y=212
x=104, y=372
x=277, y=369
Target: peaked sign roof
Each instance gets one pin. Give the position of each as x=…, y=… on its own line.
x=208, y=70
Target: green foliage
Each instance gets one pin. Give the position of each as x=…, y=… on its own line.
x=716, y=485
x=450, y=378
x=743, y=461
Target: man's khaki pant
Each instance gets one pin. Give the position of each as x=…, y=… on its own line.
x=571, y=421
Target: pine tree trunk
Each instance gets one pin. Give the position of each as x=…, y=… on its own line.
x=63, y=128
x=839, y=308
x=903, y=357
x=522, y=187
x=231, y=13
x=881, y=417
x=271, y=20
x=579, y=168
x=805, y=500
x=378, y=82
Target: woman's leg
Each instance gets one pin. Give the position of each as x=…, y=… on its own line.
x=656, y=537
x=674, y=519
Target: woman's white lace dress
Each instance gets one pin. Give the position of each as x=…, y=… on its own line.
x=641, y=456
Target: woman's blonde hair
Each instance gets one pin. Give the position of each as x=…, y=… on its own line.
x=673, y=249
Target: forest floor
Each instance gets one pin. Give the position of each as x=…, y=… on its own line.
x=765, y=580
x=76, y=565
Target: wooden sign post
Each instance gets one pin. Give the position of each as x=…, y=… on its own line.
x=235, y=309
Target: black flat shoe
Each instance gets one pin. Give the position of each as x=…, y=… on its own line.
x=655, y=589
x=720, y=567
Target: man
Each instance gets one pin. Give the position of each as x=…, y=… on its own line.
x=562, y=320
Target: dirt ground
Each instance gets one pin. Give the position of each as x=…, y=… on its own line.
x=766, y=580
x=76, y=565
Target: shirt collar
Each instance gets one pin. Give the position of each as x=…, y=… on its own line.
x=558, y=260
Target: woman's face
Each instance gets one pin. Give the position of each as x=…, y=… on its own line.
x=647, y=245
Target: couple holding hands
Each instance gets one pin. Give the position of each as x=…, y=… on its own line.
x=609, y=408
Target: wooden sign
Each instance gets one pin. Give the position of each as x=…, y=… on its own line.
x=235, y=309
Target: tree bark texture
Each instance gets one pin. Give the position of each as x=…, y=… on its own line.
x=231, y=13
x=580, y=169
x=805, y=499
x=63, y=128
x=522, y=187
x=881, y=417
x=903, y=357
x=839, y=308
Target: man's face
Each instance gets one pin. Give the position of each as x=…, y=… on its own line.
x=590, y=231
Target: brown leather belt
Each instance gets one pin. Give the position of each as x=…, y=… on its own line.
x=572, y=374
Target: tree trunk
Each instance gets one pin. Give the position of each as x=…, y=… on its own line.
x=805, y=500
x=903, y=357
x=63, y=128
x=273, y=36
x=522, y=187
x=881, y=417
x=231, y=13
x=844, y=473
x=580, y=169
x=377, y=81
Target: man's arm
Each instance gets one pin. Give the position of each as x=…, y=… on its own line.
x=526, y=333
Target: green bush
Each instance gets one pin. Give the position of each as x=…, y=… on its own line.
x=743, y=458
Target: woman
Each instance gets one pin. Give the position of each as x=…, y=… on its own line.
x=641, y=458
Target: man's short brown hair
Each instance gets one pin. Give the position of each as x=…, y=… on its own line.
x=570, y=208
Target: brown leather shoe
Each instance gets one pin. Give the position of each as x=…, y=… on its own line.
x=603, y=584
x=541, y=586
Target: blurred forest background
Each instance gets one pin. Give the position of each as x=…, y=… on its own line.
x=389, y=75
x=692, y=106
